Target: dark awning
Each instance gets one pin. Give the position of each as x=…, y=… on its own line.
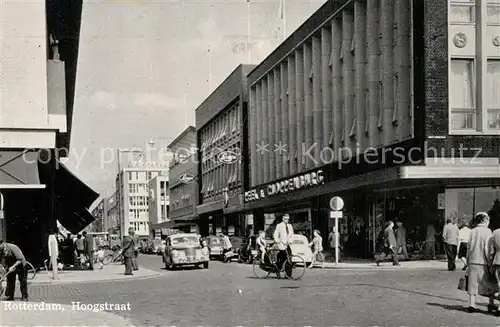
x=74, y=198
x=19, y=170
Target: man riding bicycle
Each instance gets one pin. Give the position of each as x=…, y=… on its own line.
x=282, y=238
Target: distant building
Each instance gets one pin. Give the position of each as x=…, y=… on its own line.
x=100, y=213
x=134, y=196
x=158, y=203
x=113, y=225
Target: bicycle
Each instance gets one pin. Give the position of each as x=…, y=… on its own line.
x=113, y=257
x=294, y=266
x=30, y=271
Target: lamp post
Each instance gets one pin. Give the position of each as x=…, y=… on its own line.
x=120, y=186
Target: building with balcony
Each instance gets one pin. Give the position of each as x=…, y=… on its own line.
x=159, y=203
x=391, y=105
x=39, y=52
x=222, y=139
x=134, y=194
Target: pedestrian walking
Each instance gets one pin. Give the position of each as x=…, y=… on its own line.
x=135, y=258
x=494, y=245
x=53, y=252
x=100, y=257
x=463, y=238
x=80, y=250
x=128, y=246
x=89, y=248
x=14, y=259
x=332, y=237
x=430, y=242
x=401, y=239
x=450, y=240
x=317, y=245
x=390, y=245
x=478, y=262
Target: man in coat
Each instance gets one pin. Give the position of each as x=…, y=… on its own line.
x=450, y=239
x=282, y=235
x=88, y=244
x=401, y=239
x=135, y=258
x=390, y=245
x=128, y=246
x=14, y=260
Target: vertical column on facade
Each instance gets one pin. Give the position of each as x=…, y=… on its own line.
x=372, y=36
x=284, y=118
x=338, y=101
x=326, y=94
x=387, y=62
x=257, y=164
x=278, y=125
x=271, y=128
x=317, y=97
x=265, y=131
x=308, y=103
x=292, y=115
x=299, y=107
x=360, y=71
x=403, y=67
x=348, y=78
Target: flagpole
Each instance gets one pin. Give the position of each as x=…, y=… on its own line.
x=249, y=40
x=284, y=20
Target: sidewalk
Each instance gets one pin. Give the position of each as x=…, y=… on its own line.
x=417, y=264
x=111, y=272
x=47, y=314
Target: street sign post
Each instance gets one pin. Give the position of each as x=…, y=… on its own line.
x=336, y=204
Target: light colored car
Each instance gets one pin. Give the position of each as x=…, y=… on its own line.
x=184, y=250
x=300, y=246
x=215, y=246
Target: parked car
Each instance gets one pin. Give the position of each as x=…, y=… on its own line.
x=185, y=250
x=300, y=247
x=214, y=244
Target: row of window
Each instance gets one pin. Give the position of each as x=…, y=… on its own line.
x=140, y=226
x=463, y=90
x=138, y=200
x=464, y=11
x=137, y=188
x=224, y=126
x=141, y=175
x=138, y=213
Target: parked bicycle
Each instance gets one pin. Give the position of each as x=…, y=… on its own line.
x=115, y=256
x=294, y=266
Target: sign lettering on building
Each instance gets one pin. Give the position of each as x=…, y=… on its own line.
x=288, y=185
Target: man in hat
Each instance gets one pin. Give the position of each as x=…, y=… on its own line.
x=128, y=246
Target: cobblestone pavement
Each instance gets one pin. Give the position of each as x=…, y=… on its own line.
x=195, y=297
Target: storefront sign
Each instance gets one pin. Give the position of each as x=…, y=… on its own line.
x=286, y=186
x=336, y=203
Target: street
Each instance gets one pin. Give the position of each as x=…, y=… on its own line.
x=324, y=297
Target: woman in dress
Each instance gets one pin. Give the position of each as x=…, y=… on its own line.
x=478, y=261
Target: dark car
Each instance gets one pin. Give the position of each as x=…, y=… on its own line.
x=214, y=244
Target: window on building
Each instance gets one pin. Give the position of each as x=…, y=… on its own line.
x=462, y=94
x=493, y=94
x=462, y=11
x=130, y=177
x=493, y=12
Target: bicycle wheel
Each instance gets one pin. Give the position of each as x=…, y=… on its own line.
x=108, y=259
x=258, y=271
x=295, y=267
x=30, y=270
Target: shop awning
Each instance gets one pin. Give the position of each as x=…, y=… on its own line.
x=19, y=170
x=74, y=198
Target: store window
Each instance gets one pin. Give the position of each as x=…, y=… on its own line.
x=463, y=203
x=462, y=94
x=493, y=93
x=493, y=12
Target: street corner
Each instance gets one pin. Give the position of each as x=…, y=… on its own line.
x=18, y=313
x=110, y=273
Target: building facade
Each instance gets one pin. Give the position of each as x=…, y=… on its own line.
x=37, y=86
x=159, y=203
x=222, y=139
x=100, y=213
x=390, y=105
x=113, y=224
x=134, y=190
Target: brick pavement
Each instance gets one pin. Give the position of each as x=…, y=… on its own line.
x=50, y=314
x=324, y=297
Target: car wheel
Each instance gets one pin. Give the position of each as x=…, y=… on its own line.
x=205, y=265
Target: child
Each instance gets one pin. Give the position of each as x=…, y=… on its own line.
x=317, y=244
x=100, y=257
x=261, y=244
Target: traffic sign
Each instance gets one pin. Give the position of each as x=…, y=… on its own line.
x=335, y=214
x=336, y=203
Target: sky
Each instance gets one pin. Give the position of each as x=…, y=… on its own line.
x=145, y=66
